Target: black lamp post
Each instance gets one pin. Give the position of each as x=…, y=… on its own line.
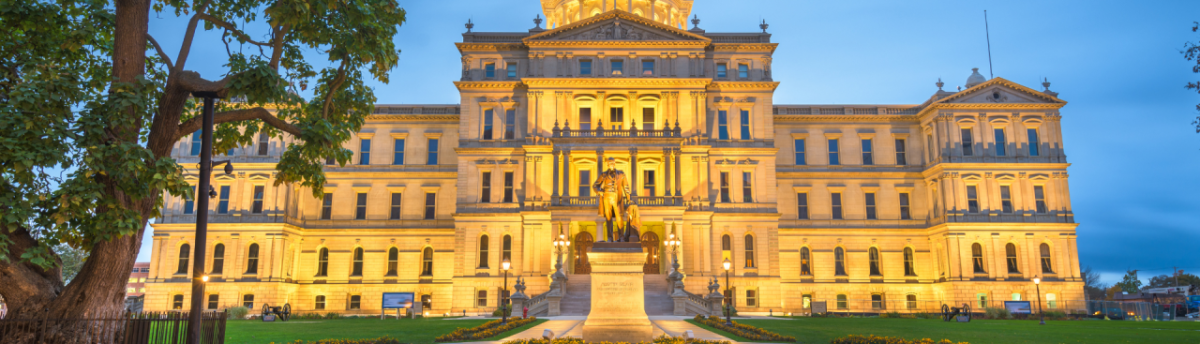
x=505, y=265
x=206, y=166
x=1042, y=317
x=728, y=304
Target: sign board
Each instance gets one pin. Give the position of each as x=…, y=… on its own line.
x=397, y=300
x=1018, y=307
x=818, y=307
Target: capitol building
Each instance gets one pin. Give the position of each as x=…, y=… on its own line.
x=961, y=197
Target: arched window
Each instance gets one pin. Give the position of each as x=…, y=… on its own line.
x=393, y=261
x=427, y=262
x=749, y=251
x=218, y=265
x=185, y=251
x=839, y=261
x=873, y=255
x=358, y=262
x=323, y=262
x=977, y=258
x=507, y=248
x=252, y=259
x=1010, y=251
x=726, y=243
x=1046, y=266
x=805, y=262
x=483, y=251
x=910, y=268
x=320, y=303
x=177, y=302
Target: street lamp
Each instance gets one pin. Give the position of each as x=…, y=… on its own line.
x=1037, y=283
x=206, y=167
x=728, y=304
x=673, y=244
x=505, y=265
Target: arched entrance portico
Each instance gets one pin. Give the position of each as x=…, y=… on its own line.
x=583, y=244
x=650, y=246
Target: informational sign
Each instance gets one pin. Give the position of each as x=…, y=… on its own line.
x=1018, y=307
x=397, y=300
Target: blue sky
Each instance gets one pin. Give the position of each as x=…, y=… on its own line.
x=1127, y=126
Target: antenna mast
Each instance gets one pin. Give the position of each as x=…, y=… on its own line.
x=988, y=34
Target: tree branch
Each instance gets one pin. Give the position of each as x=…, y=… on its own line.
x=333, y=86
x=229, y=27
x=186, y=47
x=191, y=125
x=192, y=82
x=163, y=55
x=277, y=45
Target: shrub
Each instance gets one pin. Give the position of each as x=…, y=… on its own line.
x=487, y=330
x=332, y=315
x=1055, y=315
x=380, y=340
x=507, y=312
x=563, y=340
x=665, y=339
x=872, y=339
x=238, y=312
x=996, y=313
x=743, y=330
x=890, y=315
x=928, y=316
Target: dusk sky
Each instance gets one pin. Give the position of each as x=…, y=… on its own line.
x=1127, y=125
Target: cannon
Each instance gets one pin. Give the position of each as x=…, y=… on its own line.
x=949, y=313
x=283, y=313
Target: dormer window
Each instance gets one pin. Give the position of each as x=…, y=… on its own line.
x=648, y=68
x=617, y=67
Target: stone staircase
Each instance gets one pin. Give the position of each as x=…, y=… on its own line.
x=578, y=300
x=658, y=299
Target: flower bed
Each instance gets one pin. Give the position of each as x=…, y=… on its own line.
x=743, y=330
x=487, y=330
x=380, y=340
x=664, y=339
x=872, y=339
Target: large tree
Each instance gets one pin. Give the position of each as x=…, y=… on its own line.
x=1183, y=280
x=1191, y=51
x=91, y=106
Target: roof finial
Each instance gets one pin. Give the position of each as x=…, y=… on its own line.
x=469, y=25
x=695, y=20
x=537, y=21
x=939, y=84
x=1046, y=83
x=763, y=26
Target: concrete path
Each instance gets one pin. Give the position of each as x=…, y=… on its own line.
x=675, y=326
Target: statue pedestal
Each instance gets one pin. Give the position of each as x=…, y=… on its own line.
x=618, y=305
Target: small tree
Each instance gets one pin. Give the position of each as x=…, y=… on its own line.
x=1130, y=283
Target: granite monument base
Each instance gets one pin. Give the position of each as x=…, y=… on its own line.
x=618, y=305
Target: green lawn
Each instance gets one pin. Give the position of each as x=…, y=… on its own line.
x=416, y=331
x=822, y=330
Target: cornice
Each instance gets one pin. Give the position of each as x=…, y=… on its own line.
x=743, y=86
x=488, y=85
x=447, y=118
x=619, y=44
x=846, y=118
x=617, y=82
x=767, y=47
x=475, y=46
x=617, y=14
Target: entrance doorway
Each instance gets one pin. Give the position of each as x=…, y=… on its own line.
x=583, y=244
x=650, y=246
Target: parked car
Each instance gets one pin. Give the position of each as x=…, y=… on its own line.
x=1113, y=314
x=1193, y=315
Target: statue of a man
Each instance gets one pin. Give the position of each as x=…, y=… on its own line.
x=613, y=188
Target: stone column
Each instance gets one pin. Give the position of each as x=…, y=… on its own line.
x=633, y=161
x=666, y=172
x=678, y=172
x=566, y=173
x=554, y=197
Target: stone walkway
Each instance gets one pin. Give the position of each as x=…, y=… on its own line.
x=572, y=326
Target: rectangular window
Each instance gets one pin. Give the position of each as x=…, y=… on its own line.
x=510, y=124
x=330, y=161
x=841, y=301
x=430, y=205
x=745, y=122
x=1006, y=199
x=264, y=143
x=365, y=152
x=870, y=200
x=196, y=143
x=1001, y=142
x=747, y=187
x=355, y=301
x=616, y=118
x=1033, y=141
x=1039, y=197
x=485, y=187
x=489, y=124
x=360, y=208
x=799, y=146
x=177, y=302
x=833, y=152
x=320, y=303
x=725, y=187
x=968, y=142
x=743, y=70
x=508, y=187
x=585, y=183
x=867, y=151
x=649, y=183
x=511, y=67
x=911, y=301
x=585, y=118
x=721, y=70
x=835, y=199
x=257, y=206
x=189, y=204
x=877, y=301
x=248, y=301
x=327, y=206
x=802, y=205
x=398, y=152
x=433, y=152
x=901, y=155
x=648, y=67
x=647, y=118
x=395, y=213
x=585, y=67
x=722, y=125
x=489, y=70
x=904, y=207
x=982, y=297
x=617, y=67
x=972, y=199
x=751, y=298
x=213, y=301
x=223, y=202
x=806, y=301
x=481, y=298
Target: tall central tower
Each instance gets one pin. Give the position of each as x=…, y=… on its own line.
x=672, y=13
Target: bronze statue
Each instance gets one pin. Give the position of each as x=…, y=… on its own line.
x=613, y=188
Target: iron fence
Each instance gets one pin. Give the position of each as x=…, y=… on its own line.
x=125, y=328
x=1056, y=308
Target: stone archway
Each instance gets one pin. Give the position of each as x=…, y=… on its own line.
x=583, y=244
x=650, y=246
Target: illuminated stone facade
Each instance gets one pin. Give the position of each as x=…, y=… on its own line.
x=961, y=196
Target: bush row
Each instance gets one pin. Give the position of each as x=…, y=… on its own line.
x=872, y=339
x=380, y=340
x=664, y=339
x=487, y=330
x=743, y=330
